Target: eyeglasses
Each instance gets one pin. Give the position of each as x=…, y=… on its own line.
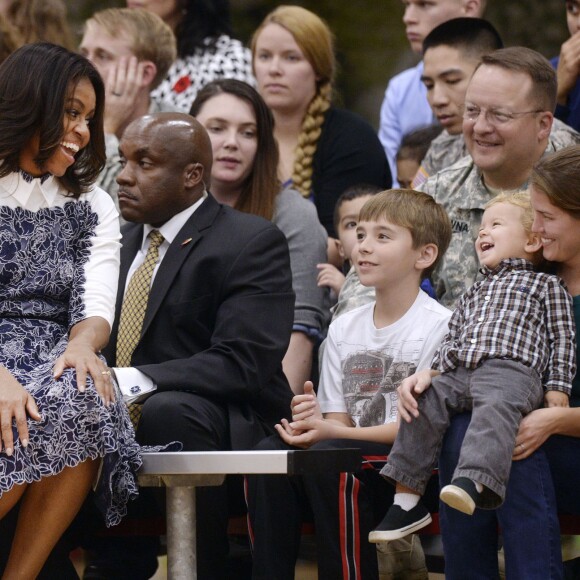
x=493, y=116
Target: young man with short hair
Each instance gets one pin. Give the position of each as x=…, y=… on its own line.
x=405, y=104
x=451, y=53
x=132, y=49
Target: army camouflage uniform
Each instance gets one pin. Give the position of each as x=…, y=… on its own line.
x=461, y=191
x=446, y=149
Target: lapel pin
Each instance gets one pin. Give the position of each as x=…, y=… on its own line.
x=185, y=242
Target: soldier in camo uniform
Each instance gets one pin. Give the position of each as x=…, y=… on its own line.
x=451, y=53
x=447, y=149
x=507, y=122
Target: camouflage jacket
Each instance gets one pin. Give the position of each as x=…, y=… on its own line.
x=352, y=295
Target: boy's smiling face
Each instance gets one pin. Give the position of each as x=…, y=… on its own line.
x=502, y=235
x=383, y=255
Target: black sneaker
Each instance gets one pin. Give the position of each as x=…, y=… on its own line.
x=399, y=523
x=461, y=494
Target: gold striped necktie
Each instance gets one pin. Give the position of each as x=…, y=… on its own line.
x=133, y=310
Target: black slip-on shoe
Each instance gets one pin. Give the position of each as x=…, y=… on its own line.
x=461, y=494
x=399, y=523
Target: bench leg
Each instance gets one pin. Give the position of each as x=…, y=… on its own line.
x=181, y=533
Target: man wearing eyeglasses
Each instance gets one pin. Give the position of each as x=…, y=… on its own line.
x=451, y=52
x=507, y=119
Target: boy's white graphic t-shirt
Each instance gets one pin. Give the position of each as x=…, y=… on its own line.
x=363, y=365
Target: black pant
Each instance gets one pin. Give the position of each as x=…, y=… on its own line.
x=200, y=425
x=345, y=507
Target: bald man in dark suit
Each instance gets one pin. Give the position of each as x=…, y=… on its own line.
x=219, y=314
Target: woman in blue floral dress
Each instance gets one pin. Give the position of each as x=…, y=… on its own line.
x=62, y=421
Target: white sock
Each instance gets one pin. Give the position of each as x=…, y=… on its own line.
x=478, y=486
x=406, y=501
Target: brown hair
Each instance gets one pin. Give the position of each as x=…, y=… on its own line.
x=259, y=193
x=316, y=41
x=532, y=63
x=558, y=176
x=426, y=220
x=42, y=20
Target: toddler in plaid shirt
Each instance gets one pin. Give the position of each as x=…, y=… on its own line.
x=510, y=348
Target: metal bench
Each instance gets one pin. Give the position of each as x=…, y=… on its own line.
x=181, y=472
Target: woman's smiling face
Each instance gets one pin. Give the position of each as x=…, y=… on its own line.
x=79, y=110
x=558, y=229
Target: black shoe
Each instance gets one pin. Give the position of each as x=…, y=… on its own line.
x=99, y=570
x=123, y=558
x=461, y=494
x=399, y=523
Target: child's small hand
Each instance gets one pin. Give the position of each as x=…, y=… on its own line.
x=305, y=433
x=556, y=399
x=409, y=390
x=329, y=275
x=305, y=406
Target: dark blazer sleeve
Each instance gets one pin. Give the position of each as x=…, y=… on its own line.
x=348, y=153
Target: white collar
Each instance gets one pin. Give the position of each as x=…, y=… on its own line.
x=172, y=227
x=33, y=194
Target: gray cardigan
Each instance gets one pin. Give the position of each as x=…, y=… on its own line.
x=297, y=218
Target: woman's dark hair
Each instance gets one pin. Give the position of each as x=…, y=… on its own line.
x=259, y=192
x=35, y=81
x=202, y=23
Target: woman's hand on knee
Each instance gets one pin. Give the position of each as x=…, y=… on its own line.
x=15, y=403
x=86, y=362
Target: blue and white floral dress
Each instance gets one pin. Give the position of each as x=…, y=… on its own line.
x=59, y=263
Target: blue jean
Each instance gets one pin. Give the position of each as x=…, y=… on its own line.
x=528, y=520
x=563, y=453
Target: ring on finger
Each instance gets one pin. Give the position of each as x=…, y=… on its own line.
x=106, y=373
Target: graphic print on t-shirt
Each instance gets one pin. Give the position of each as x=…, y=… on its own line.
x=370, y=381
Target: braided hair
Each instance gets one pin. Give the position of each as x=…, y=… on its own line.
x=316, y=41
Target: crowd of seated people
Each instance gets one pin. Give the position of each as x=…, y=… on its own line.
x=198, y=222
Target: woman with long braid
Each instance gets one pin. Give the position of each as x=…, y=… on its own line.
x=323, y=150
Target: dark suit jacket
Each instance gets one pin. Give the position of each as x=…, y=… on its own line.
x=219, y=316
